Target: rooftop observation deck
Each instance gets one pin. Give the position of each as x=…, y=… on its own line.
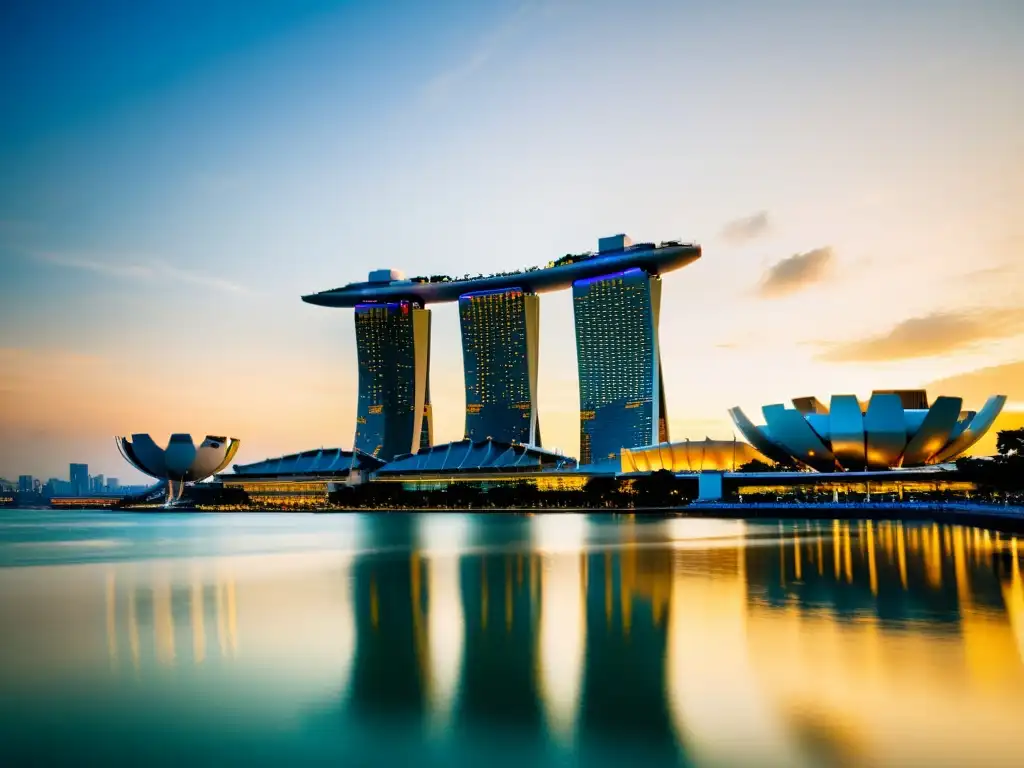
x=556, y=275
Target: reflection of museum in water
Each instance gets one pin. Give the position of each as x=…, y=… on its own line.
x=774, y=634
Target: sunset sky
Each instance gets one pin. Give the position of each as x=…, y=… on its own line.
x=173, y=176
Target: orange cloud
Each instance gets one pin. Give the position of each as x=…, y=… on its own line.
x=936, y=334
x=796, y=272
x=748, y=228
x=978, y=385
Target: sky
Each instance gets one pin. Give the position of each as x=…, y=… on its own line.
x=174, y=176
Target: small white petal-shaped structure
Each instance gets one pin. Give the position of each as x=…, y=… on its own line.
x=892, y=429
x=180, y=462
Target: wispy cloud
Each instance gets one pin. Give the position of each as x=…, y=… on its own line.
x=796, y=272
x=148, y=270
x=480, y=53
x=937, y=334
x=739, y=231
x=978, y=385
x=999, y=272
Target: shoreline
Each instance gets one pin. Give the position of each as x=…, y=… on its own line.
x=1003, y=517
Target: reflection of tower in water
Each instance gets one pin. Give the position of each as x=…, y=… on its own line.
x=158, y=619
x=624, y=702
x=441, y=540
x=1013, y=596
x=562, y=631
x=500, y=593
x=711, y=687
x=390, y=637
x=475, y=639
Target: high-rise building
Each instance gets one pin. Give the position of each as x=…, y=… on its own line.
x=393, y=346
x=25, y=483
x=617, y=292
x=98, y=483
x=500, y=333
x=113, y=483
x=79, y=479
x=621, y=395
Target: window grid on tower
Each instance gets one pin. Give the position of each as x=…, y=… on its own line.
x=617, y=354
x=386, y=346
x=499, y=359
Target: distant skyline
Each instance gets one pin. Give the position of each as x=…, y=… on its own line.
x=173, y=179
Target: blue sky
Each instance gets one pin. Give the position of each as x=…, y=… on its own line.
x=174, y=176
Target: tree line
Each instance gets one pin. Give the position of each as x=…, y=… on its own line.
x=659, y=489
x=1003, y=472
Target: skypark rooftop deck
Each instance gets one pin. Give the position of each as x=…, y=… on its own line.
x=559, y=274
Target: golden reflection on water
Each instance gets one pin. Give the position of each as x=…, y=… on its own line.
x=123, y=595
x=562, y=631
x=440, y=541
x=198, y=625
x=731, y=642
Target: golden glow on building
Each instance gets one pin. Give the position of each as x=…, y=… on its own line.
x=690, y=456
x=542, y=480
x=282, y=493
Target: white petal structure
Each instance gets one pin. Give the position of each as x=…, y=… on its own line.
x=180, y=462
x=895, y=428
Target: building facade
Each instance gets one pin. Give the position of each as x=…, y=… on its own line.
x=300, y=480
x=621, y=395
x=484, y=464
x=393, y=348
x=500, y=338
x=79, y=478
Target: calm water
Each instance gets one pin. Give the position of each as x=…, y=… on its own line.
x=506, y=640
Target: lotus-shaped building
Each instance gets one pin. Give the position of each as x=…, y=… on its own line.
x=893, y=429
x=180, y=462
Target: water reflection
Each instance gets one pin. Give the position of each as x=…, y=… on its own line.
x=440, y=540
x=452, y=639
